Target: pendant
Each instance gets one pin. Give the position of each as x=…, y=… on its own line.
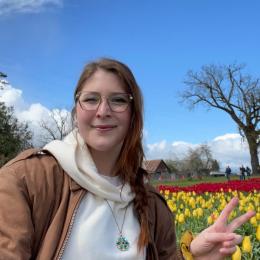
x=122, y=243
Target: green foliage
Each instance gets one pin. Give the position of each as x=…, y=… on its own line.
x=14, y=136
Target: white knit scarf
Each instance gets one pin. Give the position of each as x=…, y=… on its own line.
x=74, y=157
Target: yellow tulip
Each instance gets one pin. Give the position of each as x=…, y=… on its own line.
x=250, y=207
x=200, y=212
x=171, y=205
x=191, y=200
x=258, y=233
x=246, y=245
x=210, y=220
x=181, y=218
x=253, y=221
x=187, y=212
x=258, y=216
x=237, y=254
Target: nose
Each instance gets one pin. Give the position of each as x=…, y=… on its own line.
x=103, y=108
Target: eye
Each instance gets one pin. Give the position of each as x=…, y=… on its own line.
x=90, y=99
x=119, y=99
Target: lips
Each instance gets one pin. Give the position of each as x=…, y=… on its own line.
x=104, y=127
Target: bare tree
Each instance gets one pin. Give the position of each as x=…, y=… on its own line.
x=57, y=126
x=197, y=162
x=228, y=89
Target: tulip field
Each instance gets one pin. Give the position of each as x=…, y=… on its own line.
x=198, y=206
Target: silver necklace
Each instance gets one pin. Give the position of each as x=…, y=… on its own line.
x=121, y=243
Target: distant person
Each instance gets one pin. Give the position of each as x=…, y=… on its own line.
x=228, y=172
x=248, y=171
x=242, y=173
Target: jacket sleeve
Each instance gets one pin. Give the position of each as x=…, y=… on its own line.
x=162, y=227
x=16, y=227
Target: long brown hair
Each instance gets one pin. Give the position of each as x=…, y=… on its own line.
x=130, y=160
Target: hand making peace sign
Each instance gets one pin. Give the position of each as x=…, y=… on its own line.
x=219, y=240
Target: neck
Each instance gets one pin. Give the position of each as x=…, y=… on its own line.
x=104, y=161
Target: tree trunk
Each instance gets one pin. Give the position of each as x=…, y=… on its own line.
x=252, y=143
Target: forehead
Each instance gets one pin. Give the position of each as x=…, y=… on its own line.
x=104, y=82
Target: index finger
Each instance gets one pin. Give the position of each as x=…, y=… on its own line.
x=223, y=217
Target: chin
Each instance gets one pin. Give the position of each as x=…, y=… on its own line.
x=105, y=147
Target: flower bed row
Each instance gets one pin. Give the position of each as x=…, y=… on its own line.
x=244, y=185
x=198, y=206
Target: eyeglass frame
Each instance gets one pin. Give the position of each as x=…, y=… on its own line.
x=101, y=99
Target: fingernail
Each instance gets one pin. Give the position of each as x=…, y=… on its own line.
x=231, y=236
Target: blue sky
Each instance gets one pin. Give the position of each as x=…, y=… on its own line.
x=44, y=45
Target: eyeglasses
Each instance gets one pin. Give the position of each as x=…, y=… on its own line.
x=117, y=102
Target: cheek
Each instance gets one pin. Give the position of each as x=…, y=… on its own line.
x=82, y=117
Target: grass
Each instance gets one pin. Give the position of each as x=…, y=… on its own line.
x=189, y=182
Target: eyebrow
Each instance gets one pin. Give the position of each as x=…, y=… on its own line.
x=96, y=92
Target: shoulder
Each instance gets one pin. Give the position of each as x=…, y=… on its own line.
x=157, y=206
x=32, y=166
x=30, y=154
x=154, y=197
x=34, y=177
x=161, y=225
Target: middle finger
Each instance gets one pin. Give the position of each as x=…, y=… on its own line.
x=237, y=222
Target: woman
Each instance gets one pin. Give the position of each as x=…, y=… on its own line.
x=87, y=197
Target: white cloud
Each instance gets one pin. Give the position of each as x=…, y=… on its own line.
x=180, y=148
x=157, y=150
x=231, y=150
x=33, y=114
x=11, y=96
x=228, y=149
x=157, y=146
x=226, y=137
x=27, y=6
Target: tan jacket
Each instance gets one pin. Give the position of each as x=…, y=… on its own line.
x=38, y=202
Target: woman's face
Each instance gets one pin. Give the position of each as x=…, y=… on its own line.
x=102, y=129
